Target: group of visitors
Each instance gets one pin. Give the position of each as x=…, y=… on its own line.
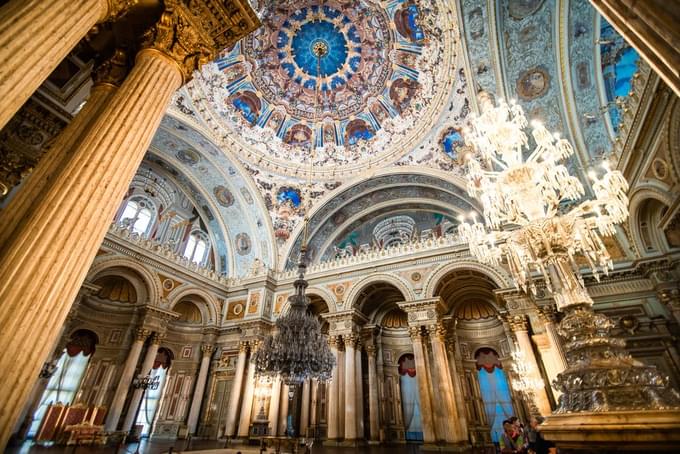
x=518, y=439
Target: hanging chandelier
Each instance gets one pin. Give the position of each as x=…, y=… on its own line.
x=297, y=350
x=536, y=223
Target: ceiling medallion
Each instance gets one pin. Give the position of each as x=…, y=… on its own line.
x=374, y=67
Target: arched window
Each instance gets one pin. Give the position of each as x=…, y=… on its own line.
x=197, y=247
x=139, y=214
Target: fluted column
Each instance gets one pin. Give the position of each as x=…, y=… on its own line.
x=247, y=404
x=35, y=36
x=304, y=409
x=107, y=77
x=147, y=365
x=457, y=386
x=518, y=324
x=359, y=384
x=423, y=385
x=43, y=264
x=196, y=401
x=651, y=27
x=274, y=404
x=125, y=381
x=373, y=417
x=350, y=388
x=333, y=392
x=235, y=396
x=444, y=385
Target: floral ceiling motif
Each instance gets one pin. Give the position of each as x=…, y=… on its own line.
x=383, y=78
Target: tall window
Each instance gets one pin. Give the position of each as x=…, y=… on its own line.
x=64, y=383
x=197, y=247
x=495, y=390
x=152, y=397
x=138, y=214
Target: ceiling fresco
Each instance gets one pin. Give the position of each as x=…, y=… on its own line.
x=393, y=90
x=384, y=81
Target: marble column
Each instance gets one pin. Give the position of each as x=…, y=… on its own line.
x=107, y=77
x=457, y=385
x=125, y=381
x=274, y=404
x=651, y=27
x=549, y=316
x=197, y=400
x=333, y=392
x=35, y=36
x=350, y=388
x=304, y=409
x=147, y=367
x=283, y=412
x=313, y=410
x=35, y=295
x=423, y=385
x=235, y=395
x=359, y=383
x=373, y=417
x=444, y=385
x=519, y=327
x=247, y=404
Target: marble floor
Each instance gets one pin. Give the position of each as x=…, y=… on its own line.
x=198, y=447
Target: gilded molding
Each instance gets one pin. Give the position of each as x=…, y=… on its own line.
x=118, y=8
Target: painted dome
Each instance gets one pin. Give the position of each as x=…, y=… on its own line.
x=351, y=79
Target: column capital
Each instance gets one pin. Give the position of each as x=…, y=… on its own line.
x=141, y=334
x=207, y=349
x=115, y=9
x=113, y=70
x=180, y=37
x=414, y=332
x=350, y=340
x=371, y=350
x=243, y=347
x=518, y=323
x=334, y=341
x=437, y=330
x=548, y=313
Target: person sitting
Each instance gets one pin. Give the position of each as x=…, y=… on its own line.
x=511, y=442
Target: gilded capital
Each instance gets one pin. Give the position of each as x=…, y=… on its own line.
x=118, y=8
x=518, y=323
x=243, y=347
x=113, y=70
x=414, y=332
x=141, y=334
x=351, y=340
x=180, y=36
x=207, y=349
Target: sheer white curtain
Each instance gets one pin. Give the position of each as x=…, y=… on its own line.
x=410, y=404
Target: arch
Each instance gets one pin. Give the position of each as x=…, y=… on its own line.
x=640, y=200
x=209, y=309
x=401, y=284
x=497, y=275
x=320, y=292
x=150, y=279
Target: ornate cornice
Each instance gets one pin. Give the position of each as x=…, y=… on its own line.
x=423, y=312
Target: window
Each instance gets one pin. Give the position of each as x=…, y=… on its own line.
x=197, y=247
x=62, y=386
x=138, y=215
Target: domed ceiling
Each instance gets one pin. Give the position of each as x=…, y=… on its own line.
x=349, y=84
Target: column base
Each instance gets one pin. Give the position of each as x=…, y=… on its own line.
x=352, y=443
x=329, y=442
x=632, y=431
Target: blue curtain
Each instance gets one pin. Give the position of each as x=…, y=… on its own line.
x=410, y=404
x=497, y=401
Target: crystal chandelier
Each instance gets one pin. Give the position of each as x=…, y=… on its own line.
x=536, y=224
x=297, y=350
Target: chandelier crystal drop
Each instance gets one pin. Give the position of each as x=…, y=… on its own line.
x=532, y=220
x=537, y=223
x=296, y=350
